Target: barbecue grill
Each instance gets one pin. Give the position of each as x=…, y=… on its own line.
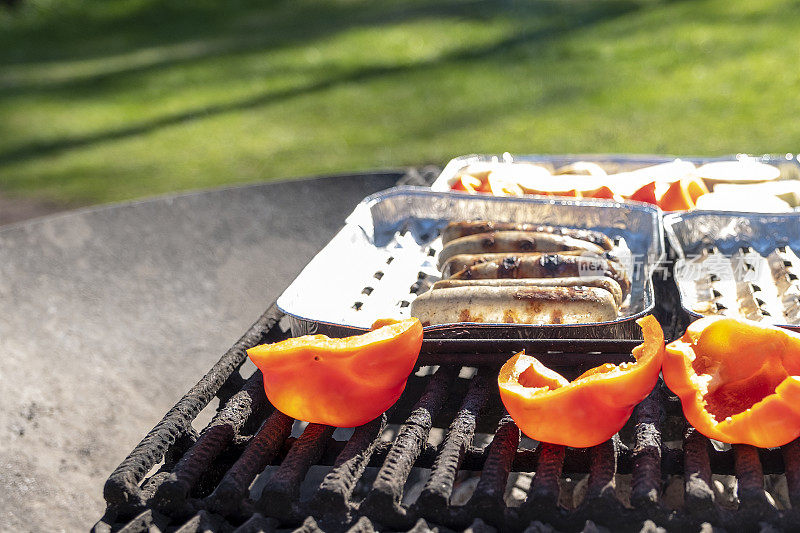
x=254, y=469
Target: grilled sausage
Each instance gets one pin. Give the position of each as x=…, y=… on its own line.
x=455, y=230
x=515, y=305
x=516, y=266
x=597, y=281
x=462, y=261
x=514, y=241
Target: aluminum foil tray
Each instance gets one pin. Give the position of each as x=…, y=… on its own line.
x=387, y=254
x=789, y=165
x=738, y=264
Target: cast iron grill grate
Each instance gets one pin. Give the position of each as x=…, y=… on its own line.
x=203, y=482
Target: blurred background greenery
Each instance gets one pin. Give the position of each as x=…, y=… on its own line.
x=104, y=100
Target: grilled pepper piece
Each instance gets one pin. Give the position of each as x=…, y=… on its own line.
x=645, y=193
x=588, y=410
x=738, y=381
x=340, y=382
x=682, y=195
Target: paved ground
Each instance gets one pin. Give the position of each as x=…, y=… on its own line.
x=111, y=314
x=16, y=210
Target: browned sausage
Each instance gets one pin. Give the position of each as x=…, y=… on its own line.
x=515, y=266
x=602, y=282
x=462, y=261
x=454, y=230
x=514, y=241
x=515, y=305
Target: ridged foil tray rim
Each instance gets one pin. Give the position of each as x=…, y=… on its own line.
x=361, y=211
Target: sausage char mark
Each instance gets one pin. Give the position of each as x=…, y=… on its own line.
x=578, y=293
x=552, y=262
x=508, y=267
x=462, y=229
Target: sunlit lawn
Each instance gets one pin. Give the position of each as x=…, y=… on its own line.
x=106, y=100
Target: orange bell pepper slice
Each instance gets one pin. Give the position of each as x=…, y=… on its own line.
x=466, y=183
x=603, y=192
x=738, y=381
x=645, y=193
x=682, y=195
x=340, y=382
x=588, y=410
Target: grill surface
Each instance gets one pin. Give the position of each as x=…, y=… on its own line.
x=445, y=457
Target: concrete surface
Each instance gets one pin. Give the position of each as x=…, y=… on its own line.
x=110, y=315
x=18, y=209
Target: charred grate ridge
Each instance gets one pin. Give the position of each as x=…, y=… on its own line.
x=207, y=482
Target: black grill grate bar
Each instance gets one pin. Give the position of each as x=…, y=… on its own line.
x=646, y=479
x=435, y=495
x=602, y=470
x=283, y=488
x=122, y=487
x=791, y=458
x=257, y=523
x=333, y=495
x=309, y=525
x=217, y=436
x=487, y=500
x=698, y=495
x=544, y=490
x=363, y=525
x=260, y=451
x=750, y=477
x=542, y=501
x=383, y=501
x=576, y=460
x=202, y=521
x=148, y=520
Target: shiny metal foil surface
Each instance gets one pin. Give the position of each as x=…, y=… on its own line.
x=388, y=250
x=744, y=242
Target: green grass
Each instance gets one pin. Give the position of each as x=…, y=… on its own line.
x=104, y=100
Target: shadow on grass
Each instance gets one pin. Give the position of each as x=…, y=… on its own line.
x=95, y=34
x=196, y=34
x=499, y=50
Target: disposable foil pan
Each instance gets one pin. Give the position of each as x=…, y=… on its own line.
x=735, y=248
x=375, y=266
